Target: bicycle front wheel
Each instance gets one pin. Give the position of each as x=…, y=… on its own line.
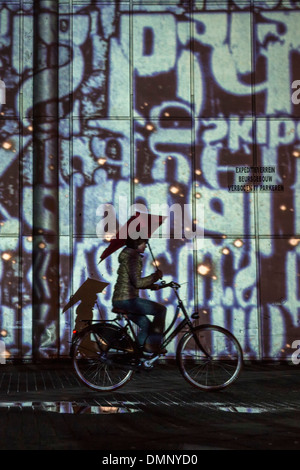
x=209, y=357
x=101, y=358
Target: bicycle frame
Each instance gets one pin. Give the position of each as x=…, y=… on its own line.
x=185, y=322
x=167, y=337
x=118, y=355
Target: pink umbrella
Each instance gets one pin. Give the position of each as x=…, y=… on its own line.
x=139, y=225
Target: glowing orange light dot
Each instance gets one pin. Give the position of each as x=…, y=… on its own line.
x=174, y=190
x=7, y=145
x=203, y=269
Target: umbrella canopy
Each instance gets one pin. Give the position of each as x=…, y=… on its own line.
x=86, y=291
x=139, y=225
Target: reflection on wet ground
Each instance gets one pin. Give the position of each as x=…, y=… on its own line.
x=248, y=408
x=243, y=409
x=69, y=407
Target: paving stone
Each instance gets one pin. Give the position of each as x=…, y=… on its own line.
x=46, y=407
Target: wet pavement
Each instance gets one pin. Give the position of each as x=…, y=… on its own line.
x=45, y=407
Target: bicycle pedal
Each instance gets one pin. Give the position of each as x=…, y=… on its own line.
x=147, y=365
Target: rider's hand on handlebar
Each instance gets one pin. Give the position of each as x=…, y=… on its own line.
x=155, y=287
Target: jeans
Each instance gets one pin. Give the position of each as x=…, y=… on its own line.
x=138, y=310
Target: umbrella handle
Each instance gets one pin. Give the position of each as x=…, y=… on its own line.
x=152, y=255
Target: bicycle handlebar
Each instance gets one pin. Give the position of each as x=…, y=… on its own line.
x=163, y=284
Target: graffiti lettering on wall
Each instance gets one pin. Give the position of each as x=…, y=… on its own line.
x=160, y=104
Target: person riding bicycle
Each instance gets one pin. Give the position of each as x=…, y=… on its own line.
x=126, y=296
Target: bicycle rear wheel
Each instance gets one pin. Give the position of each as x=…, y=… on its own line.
x=101, y=358
x=209, y=357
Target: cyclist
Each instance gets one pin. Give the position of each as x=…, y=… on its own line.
x=126, y=296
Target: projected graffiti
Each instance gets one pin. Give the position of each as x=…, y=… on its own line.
x=156, y=103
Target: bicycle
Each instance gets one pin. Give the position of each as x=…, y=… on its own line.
x=106, y=354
